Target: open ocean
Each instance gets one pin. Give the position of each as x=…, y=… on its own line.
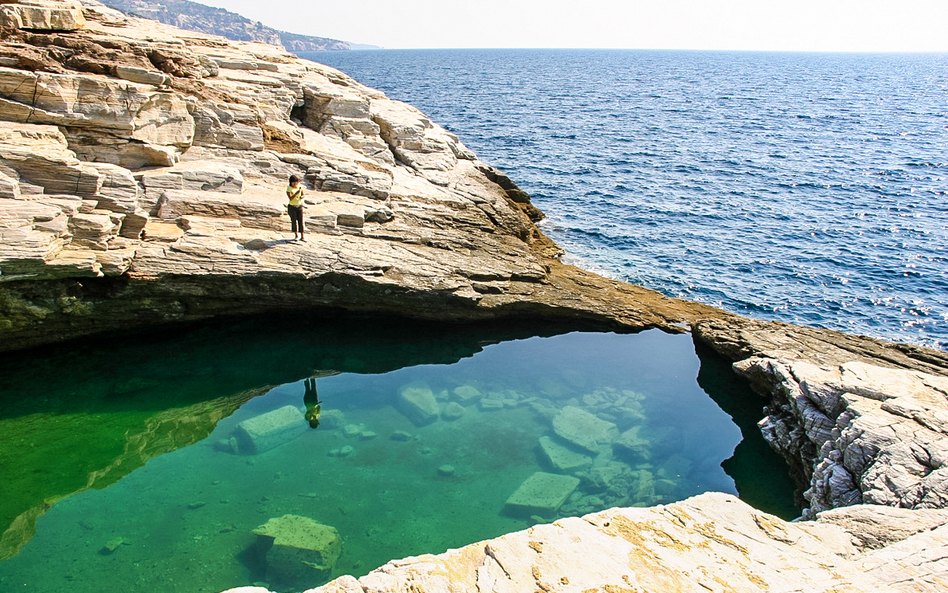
x=806, y=188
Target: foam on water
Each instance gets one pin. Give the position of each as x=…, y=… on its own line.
x=806, y=188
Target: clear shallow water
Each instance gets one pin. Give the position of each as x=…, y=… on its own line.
x=160, y=485
x=806, y=188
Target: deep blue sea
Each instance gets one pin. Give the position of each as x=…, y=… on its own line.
x=806, y=188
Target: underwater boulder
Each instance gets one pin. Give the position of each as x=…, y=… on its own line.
x=299, y=552
x=466, y=394
x=268, y=431
x=490, y=404
x=453, y=411
x=562, y=458
x=332, y=419
x=643, y=443
x=541, y=494
x=584, y=430
x=417, y=402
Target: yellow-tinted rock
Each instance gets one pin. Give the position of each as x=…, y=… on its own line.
x=299, y=551
x=168, y=232
x=42, y=15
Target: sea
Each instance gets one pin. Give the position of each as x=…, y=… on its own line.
x=809, y=188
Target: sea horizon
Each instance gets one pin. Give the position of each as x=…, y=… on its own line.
x=309, y=54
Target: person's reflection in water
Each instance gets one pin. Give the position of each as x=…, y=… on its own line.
x=313, y=405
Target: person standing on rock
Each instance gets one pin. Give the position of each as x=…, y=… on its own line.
x=294, y=193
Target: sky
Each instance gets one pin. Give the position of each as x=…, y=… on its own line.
x=777, y=25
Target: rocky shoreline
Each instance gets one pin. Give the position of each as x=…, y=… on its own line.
x=712, y=542
x=142, y=170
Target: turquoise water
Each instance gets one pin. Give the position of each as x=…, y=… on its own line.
x=177, y=510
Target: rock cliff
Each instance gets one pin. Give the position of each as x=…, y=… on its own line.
x=142, y=176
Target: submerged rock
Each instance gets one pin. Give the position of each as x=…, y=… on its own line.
x=645, y=442
x=298, y=551
x=352, y=430
x=490, y=404
x=329, y=419
x=418, y=404
x=584, y=430
x=562, y=458
x=112, y=545
x=541, y=494
x=453, y=411
x=270, y=430
x=467, y=394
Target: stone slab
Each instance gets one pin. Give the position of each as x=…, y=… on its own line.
x=299, y=551
x=467, y=394
x=562, y=458
x=418, y=404
x=269, y=430
x=165, y=232
x=584, y=430
x=541, y=494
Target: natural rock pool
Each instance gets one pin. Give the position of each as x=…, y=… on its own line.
x=147, y=464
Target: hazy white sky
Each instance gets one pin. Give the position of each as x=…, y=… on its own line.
x=798, y=25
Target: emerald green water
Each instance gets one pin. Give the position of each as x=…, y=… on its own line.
x=127, y=446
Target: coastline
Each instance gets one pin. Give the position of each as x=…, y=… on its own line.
x=142, y=187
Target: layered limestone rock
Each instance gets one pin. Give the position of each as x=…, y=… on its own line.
x=712, y=542
x=857, y=420
x=861, y=433
x=42, y=15
x=144, y=154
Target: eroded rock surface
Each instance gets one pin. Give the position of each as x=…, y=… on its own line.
x=861, y=433
x=858, y=420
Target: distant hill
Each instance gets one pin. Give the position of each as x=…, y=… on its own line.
x=364, y=46
x=217, y=21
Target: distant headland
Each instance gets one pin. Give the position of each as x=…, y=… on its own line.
x=193, y=16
